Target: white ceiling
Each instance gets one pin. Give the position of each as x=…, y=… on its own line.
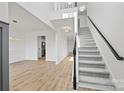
x=60, y=23
x=26, y=21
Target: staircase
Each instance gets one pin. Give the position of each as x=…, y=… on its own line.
x=92, y=69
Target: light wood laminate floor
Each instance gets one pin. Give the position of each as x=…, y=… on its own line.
x=41, y=76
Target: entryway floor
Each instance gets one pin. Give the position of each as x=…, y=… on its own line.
x=41, y=76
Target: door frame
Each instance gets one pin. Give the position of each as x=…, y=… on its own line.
x=40, y=47
x=4, y=63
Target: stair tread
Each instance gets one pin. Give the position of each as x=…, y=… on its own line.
x=95, y=70
x=88, y=50
x=96, y=80
x=82, y=40
x=86, y=39
x=82, y=37
x=92, y=62
x=88, y=43
x=81, y=45
x=85, y=35
x=95, y=86
x=80, y=55
x=84, y=27
x=84, y=31
x=89, y=46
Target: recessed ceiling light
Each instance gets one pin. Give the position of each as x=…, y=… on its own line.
x=15, y=21
x=69, y=3
x=82, y=8
x=67, y=28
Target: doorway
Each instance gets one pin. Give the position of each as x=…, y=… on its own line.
x=41, y=47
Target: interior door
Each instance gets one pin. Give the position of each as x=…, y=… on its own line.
x=43, y=49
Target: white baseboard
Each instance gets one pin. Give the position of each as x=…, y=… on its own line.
x=119, y=84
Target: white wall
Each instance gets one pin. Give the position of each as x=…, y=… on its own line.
x=56, y=43
x=31, y=45
x=83, y=20
x=29, y=27
x=16, y=47
x=4, y=11
x=27, y=47
x=109, y=17
x=61, y=46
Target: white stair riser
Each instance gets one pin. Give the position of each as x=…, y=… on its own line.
x=95, y=80
x=82, y=37
x=91, y=58
x=85, y=35
x=88, y=48
x=94, y=74
x=88, y=53
x=91, y=65
x=97, y=87
x=87, y=44
x=86, y=38
x=91, y=62
x=88, y=41
x=82, y=45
